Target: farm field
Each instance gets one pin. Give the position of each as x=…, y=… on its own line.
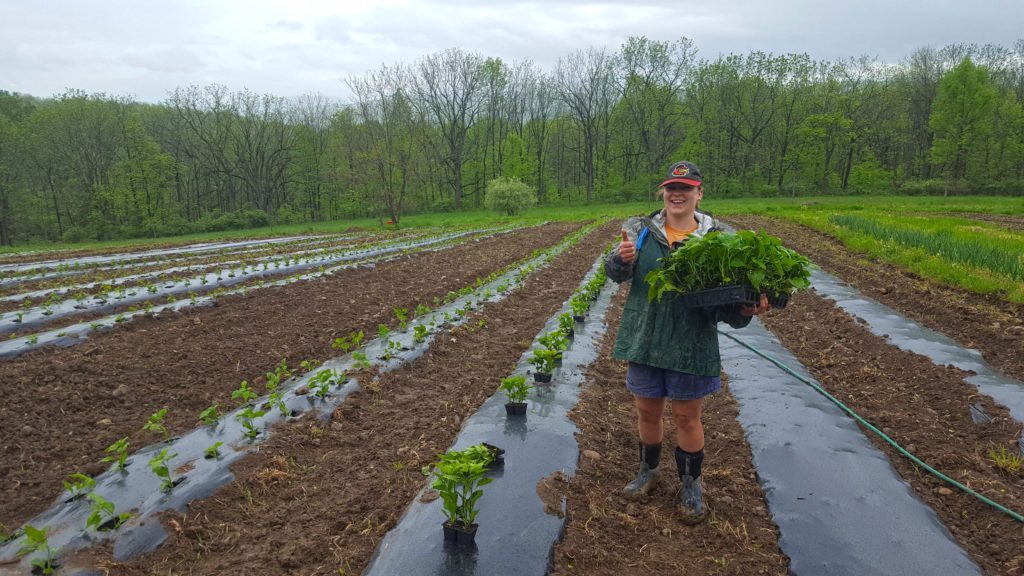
x=300, y=503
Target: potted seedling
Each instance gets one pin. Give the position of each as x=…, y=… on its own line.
x=579, y=305
x=727, y=269
x=567, y=325
x=459, y=478
x=212, y=452
x=543, y=360
x=515, y=389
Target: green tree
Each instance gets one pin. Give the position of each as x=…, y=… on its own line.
x=961, y=116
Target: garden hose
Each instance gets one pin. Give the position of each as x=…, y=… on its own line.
x=1012, y=514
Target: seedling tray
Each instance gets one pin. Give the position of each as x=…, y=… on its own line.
x=721, y=296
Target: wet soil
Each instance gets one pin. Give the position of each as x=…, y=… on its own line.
x=608, y=534
x=925, y=408
x=318, y=498
x=983, y=322
x=63, y=407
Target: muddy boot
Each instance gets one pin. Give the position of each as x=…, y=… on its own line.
x=691, y=495
x=648, y=478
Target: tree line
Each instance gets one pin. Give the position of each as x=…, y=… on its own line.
x=603, y=125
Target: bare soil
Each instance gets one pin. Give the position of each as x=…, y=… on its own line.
x=317, y=499
x=105, y=388
x=610, y=535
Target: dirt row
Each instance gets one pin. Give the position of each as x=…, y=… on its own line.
x=63, y=407
x=610, y=535
x=925, y=408
x=317, y=499
x=984, y=322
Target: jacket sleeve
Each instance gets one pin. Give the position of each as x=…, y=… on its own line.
x=614, y=267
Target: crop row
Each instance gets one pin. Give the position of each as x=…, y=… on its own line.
x=106, y=279
x=213, y=446
x=998, y=256
x=250, y=279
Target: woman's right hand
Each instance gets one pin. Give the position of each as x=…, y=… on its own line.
x=627, y=250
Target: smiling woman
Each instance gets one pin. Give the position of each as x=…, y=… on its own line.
x=672, y=351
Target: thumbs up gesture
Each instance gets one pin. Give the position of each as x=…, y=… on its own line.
x=627, y=249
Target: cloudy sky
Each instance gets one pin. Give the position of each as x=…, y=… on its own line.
x=146, y=48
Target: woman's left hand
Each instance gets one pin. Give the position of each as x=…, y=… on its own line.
x=762, y=307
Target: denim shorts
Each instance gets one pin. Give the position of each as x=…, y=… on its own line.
x=650, y=382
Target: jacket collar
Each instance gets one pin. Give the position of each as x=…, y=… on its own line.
x=656, y=221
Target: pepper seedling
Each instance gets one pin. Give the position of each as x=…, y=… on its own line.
x=361, y=361
x=36, y=541
x=210, y=416
x=119, y=454
x=102, y=512
x=78, y=485
x=212, y=452
x=156, y=423
x=243, y=393
x=515, y=388
x=246, y=417
x=158, y=464
x=544, y=360
x=419, y=333
x=402, y=314
x=459, y=477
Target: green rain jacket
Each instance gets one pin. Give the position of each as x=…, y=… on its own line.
x=666, y=334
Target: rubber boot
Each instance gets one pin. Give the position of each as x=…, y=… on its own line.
x=648, y=478
x=691, y=495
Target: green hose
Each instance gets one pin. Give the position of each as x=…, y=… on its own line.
x=1015, y=515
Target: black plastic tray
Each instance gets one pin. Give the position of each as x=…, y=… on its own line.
x=721, y=296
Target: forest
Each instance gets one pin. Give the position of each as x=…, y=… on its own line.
x=602, y=125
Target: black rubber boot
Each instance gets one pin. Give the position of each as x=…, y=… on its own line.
x=691, y=495
x=648, y=478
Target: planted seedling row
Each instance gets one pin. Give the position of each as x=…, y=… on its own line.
x=79, y=265
x=72, y=334
x=490, y=517
x=175, y=471
x=135, y=272
x=35, y=317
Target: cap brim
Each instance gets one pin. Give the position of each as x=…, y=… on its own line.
x=689, y=181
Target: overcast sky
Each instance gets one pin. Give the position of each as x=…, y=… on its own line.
x=146, y=48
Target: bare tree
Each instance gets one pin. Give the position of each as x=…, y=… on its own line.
x=448, y=88
x=585, y=83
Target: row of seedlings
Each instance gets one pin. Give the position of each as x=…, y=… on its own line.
x=522, y=539
x=322, y=385
x=70, y=335
x=224, y=277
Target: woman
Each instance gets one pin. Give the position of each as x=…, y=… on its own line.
x=672, y=350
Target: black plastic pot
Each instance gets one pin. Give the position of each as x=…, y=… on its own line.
x=542, y=377
x=497, y=455
x=578, y=317
x=515, y=408
x=721, y=296
x=459, y=534
x=779, y=301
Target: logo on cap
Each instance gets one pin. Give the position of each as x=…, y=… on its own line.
x=681, y=170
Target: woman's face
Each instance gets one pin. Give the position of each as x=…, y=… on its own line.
x=681, y=199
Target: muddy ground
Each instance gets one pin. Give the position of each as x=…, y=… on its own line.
x=317, y=499
x=105, y=389
x=610, y=535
